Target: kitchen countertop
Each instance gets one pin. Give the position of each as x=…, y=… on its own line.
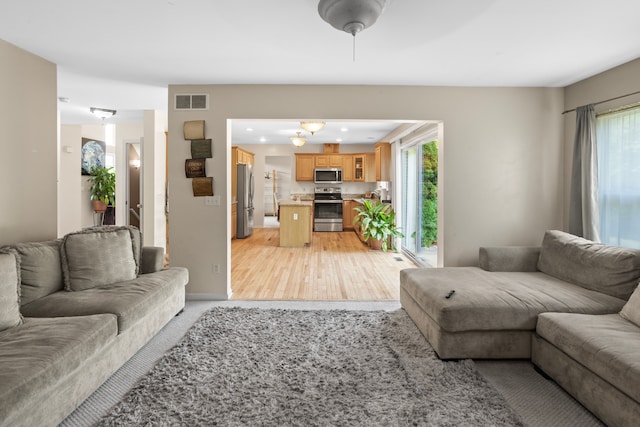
x=286, y=202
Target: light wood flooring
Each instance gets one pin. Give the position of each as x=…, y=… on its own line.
x=337, y=266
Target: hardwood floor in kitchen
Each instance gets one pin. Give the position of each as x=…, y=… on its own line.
x=337, y=266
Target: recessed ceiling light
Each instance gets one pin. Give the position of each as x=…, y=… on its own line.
x=249, y=129
x=338, y=139
x=263, y=139
x=344, y=129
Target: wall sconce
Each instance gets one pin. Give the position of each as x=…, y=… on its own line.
x=135, y=163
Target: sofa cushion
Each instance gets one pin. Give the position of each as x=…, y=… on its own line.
x=40, y=270
x=9, y=289
x=486, y=301
x=38, y=353
x=607, y=345
x=631, y=310
x=130, y=301
x=611, y=270
x=97, y=257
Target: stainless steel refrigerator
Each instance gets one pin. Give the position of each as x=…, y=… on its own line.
x=245, y=187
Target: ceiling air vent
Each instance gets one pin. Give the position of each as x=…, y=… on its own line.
x=192, y=101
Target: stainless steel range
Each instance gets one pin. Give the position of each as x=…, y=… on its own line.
x=327, y=209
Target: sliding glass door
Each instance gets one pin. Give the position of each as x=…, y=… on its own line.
x=419, y=186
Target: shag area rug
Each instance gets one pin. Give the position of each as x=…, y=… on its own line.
x=246, y=366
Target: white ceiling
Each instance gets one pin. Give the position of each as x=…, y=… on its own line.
x=122, y=54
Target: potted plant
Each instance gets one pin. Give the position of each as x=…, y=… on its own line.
x=103, y=188
x=377, y=221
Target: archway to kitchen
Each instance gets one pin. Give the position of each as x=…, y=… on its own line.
x=336, y=265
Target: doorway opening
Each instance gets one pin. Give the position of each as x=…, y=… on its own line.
x=133, y=201
x=277, y=184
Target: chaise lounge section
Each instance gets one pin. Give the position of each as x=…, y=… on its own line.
x=572, y=306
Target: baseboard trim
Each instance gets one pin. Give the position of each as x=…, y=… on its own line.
x=207, y=297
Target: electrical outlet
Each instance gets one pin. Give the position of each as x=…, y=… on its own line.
x=215, y=268
x=295, y=216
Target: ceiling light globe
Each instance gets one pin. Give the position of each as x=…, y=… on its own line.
x=312, y=127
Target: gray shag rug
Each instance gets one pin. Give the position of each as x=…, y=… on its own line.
x=247, y=366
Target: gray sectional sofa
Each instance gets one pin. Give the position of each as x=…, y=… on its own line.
x=72, y=311
x=571, y=305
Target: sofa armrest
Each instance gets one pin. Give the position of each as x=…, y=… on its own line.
x=152, y=259
x=509, y=258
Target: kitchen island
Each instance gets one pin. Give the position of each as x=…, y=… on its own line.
x=295, y=223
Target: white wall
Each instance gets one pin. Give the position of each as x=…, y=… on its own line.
x=70, y=203
x=502, y=162
x=28, y=146
x=153, y=178
x=618, y=81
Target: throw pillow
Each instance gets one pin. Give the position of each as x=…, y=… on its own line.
x=40, y=271
x=608, y=269
x=631, y=310
x=97, y=257
x=9, y=289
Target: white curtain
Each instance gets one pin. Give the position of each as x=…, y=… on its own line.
x=619, y=183
x=583, y=206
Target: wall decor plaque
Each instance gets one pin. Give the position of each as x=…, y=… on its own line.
x=201, y=149
x=195, y=168
x=93, y=154
x=193, y=129
x=202, y=186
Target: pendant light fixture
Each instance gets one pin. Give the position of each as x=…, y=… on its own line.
x=298, y=141
x=311, y=126
x=102, y=113
x=351, y=16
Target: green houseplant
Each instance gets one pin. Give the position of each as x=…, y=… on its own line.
x=377, y=221
x=103, y=188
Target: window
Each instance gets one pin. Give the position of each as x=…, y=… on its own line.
x=618, y=140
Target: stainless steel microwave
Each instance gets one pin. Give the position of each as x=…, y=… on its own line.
x=327, y=176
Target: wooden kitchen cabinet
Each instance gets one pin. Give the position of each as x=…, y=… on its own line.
x=305, y=163
x=383, y=161
x=328, y=160
x=234, y=219
x=349, y=214
x=364, y=167
x=347, y=167
x=295, y=223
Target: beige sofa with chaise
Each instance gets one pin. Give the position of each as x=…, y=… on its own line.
x=567, y=305
x=73, y=311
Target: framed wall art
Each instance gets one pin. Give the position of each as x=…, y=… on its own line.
x=202, y=186
x=195, y=168
x=201, y=149
x=92, y=154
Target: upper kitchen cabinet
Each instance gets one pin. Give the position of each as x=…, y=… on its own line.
x=241, y=156
x=364, y=167
x=347, y=167
x=328, y=160
x=305, y=163
x=383, y=161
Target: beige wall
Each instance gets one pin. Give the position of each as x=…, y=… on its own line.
x=501, y=174
x=28, y=146
x=618, y=81
x=71, y=206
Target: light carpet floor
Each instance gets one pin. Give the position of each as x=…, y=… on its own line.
x=538, y=401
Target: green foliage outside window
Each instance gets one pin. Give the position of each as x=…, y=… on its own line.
x=429, y=194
